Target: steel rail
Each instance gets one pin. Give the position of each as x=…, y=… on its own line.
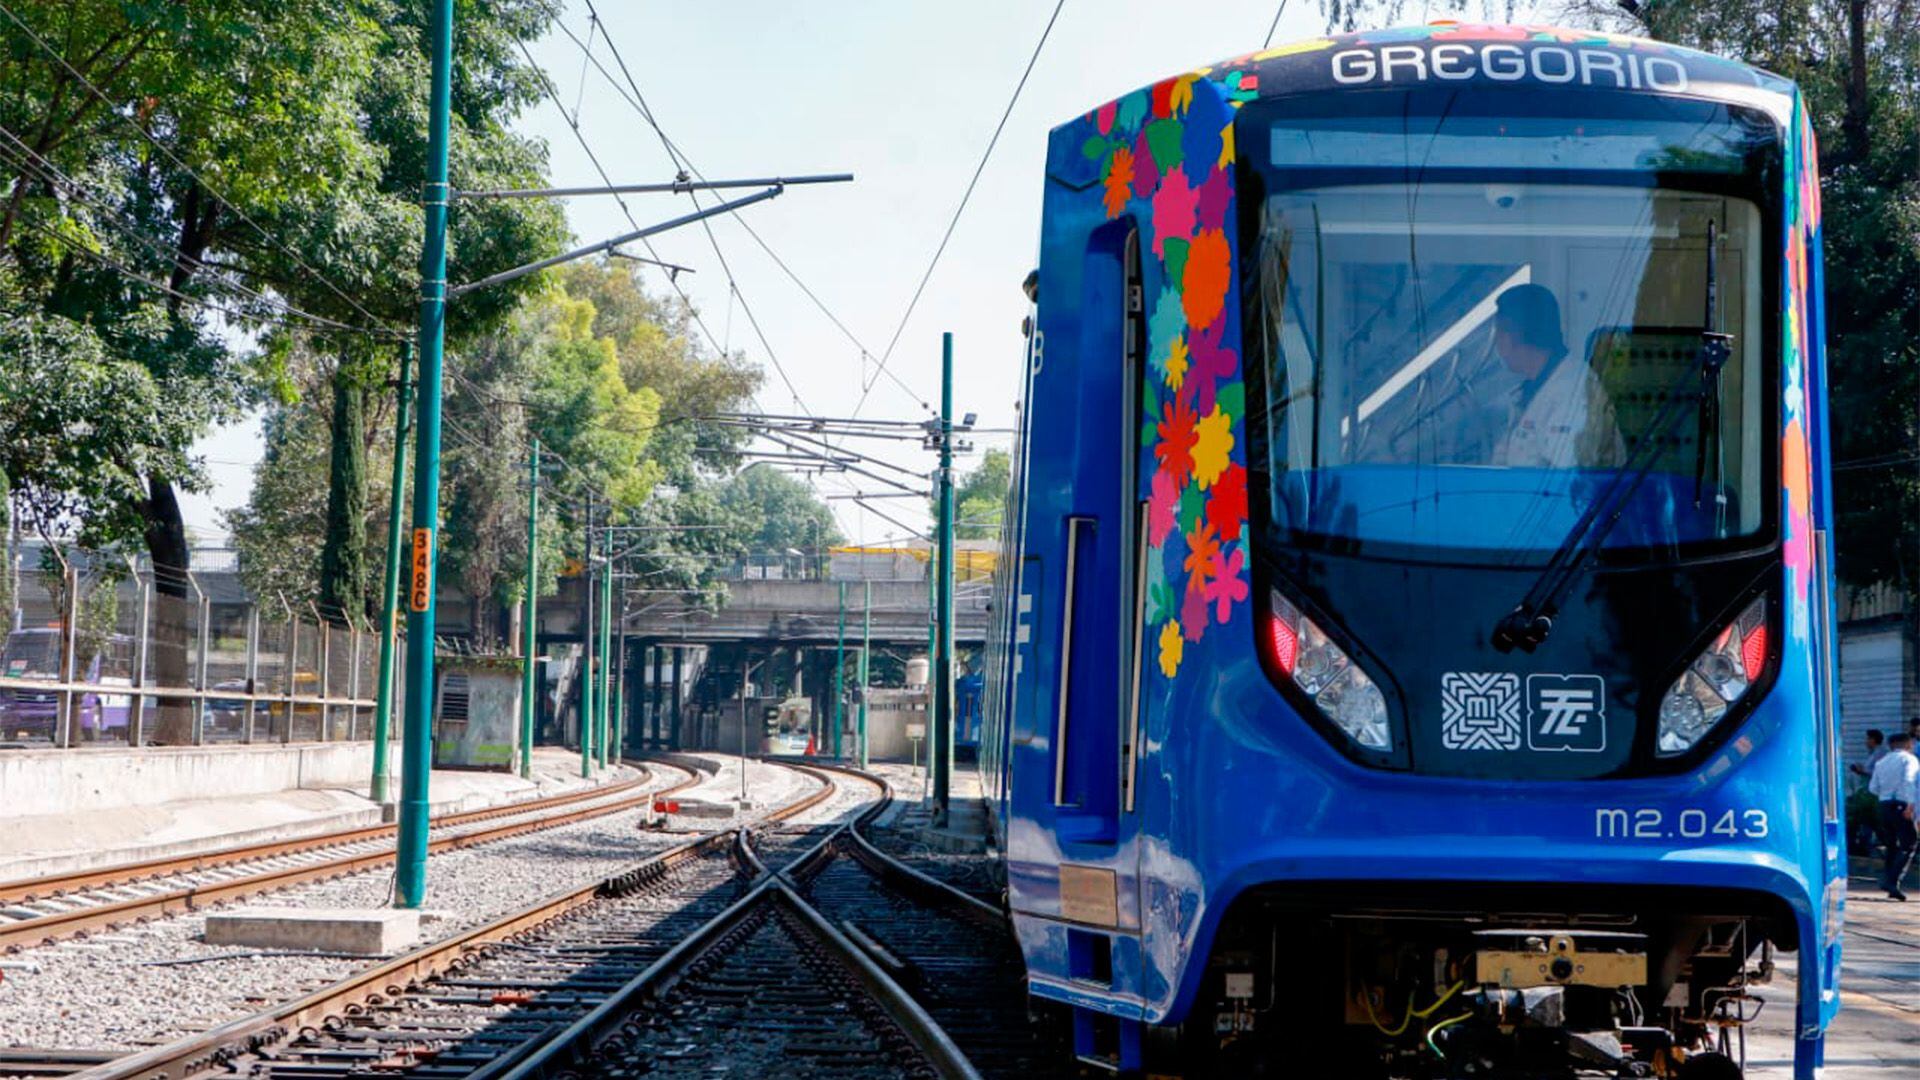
x=176, y=901
x=95, y=877
x=215, y=1047
x=568, y=1049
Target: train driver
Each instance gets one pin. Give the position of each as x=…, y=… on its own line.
x=1559, y=416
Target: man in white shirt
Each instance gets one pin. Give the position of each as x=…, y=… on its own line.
x=1559, y=416
x=1896, y=783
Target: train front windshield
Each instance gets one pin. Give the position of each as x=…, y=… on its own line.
x=1469, y=318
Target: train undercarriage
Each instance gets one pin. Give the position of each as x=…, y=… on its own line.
x=1400, y=983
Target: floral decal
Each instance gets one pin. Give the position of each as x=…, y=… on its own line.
x=1803, y=238
x=1165, y=157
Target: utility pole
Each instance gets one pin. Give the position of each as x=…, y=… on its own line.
x=586, y=654
x=410, y=870
x=839, y=669
x=866, y=635
x=529, y=609
x=390, y=593
x=942, y=733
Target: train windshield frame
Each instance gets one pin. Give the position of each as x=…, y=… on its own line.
x=1465, y=306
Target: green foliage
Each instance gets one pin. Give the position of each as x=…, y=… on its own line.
x=980, y=497
x=773, y=512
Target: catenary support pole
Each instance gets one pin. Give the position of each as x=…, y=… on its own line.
x=608, y=752
x=839, y=668
x=390, y=590
x=586, y=654
x=866, y=638
x=942, y=733
x=410, y=871
x=529, y=615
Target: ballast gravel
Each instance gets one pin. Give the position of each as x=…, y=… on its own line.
x=136, y=986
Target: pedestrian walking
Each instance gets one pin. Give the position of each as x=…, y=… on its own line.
x=1896, y=783
x=1863, y=809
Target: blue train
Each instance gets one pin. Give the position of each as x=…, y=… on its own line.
x=1414, y=654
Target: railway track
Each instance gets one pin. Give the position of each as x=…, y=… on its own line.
x=698, y=960
x=39, y=910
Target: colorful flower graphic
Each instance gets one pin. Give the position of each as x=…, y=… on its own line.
x=1119, y=181
x=1174, y=207
x=1163, y=508
x=1209, y=270
x=1228, y=585
x=1193, y=614
x=1174, y=451
x=1203, y=545
x=1212, y=447
x=1227, y=508
x=1177, y=364
x=1163, y=329
x=1171, y=646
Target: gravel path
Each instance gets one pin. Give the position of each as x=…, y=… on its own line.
x=129, y=988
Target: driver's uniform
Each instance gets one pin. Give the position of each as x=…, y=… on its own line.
x=1562, y=419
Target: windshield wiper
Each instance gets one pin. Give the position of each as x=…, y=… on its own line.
x=1531, y=620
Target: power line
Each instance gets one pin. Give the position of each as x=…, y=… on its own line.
x=683, y=163
x=954, y=222
x=182, y=165
x=34, y=164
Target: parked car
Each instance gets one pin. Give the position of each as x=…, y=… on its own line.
x=28, y=713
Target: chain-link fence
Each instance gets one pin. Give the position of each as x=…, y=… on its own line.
x=114, y=651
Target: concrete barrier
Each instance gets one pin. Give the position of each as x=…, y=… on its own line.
x=62, y=781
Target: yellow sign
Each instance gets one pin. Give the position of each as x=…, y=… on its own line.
x=420, y=594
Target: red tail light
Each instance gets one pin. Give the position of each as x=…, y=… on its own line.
x=1753, y=651
x=1283, y=645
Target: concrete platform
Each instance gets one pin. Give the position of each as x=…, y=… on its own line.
x=362, y=932
x=103, y=830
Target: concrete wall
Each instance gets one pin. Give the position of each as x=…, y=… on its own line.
x=59, y=781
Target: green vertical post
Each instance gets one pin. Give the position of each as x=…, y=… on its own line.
x=606, y=650
x=390, y=591
x=529, y=703
x=942, y=734
x=586, y=655
x=620, y=694
x=866, y=634
x=839, y=669
x=416, y=766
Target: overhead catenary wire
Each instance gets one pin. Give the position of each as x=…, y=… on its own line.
x=213, y=192
x=637, y=100
x=954, y=222
x=681, y=163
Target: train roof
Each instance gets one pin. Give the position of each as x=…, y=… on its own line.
x=1532, y=57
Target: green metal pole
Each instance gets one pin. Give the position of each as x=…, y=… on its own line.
x=586, y=657
x=620, y=695
x=416, y=766
x=839, y=670
x=866, y=633
x=943, y=616
x=529, y=703
x=606, y=650
x=390, y=593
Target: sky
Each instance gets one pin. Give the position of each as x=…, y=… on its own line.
x=904, y=94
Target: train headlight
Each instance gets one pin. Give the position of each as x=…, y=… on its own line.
x=1324, y=672
x=1715, y=680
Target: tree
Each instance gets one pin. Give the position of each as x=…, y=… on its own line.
x=775, y=513
x=980, y=498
